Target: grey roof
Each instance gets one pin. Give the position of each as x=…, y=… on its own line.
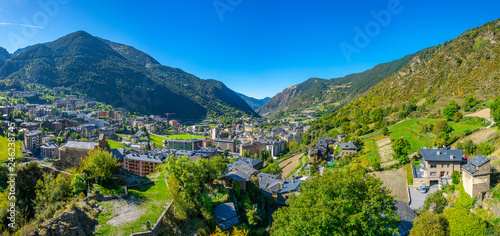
x=241, y=172
x=81, y=145
x=225, y=215
x=348, y=146
x=34, y=132
x=289, y=186
x=135, y=156
x=469, y=168
x=251, y=162
x=479, y=160
x=441, y=154
x=267, y=180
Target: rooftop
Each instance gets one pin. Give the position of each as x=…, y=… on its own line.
x=225, y=215
x=81, y=145
x=441, y=154
x=241, y=172
x=479, y=160
x=348, y=146
x=469, y=168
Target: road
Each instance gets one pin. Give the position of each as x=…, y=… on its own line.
x=289, y=168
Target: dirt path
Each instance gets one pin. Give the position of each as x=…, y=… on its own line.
x=395, y=181
x=125, y=211
x=485, y=113
x=289, y=168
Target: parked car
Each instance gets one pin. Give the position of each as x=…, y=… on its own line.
x=423, y=189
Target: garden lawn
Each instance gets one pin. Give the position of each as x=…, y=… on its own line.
x=4, y=142
x=370, y=155
x=147, y=203
x=410, y=130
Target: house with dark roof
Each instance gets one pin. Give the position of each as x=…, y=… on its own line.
x=348, y=148
x=251, y=162
x=476, y=176
x=274, y=186
x=225, y=215
x=241, y=173
x=437, y=166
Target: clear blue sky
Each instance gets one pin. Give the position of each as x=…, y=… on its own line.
x=255, y=47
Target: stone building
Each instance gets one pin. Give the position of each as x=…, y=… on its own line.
x=476, y=176
x=73, y=152
x=437, y=166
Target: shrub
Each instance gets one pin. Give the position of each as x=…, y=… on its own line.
x=456, y=177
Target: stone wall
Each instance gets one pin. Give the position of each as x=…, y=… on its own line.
x=155, y=229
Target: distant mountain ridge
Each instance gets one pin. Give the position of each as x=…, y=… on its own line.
x=320, y=92
x=254, y=103
x=122, y=76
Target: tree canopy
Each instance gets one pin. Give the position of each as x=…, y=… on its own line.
x=341, y=202
x=100, y=165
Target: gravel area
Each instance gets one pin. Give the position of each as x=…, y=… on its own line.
x=395, y=181
x=485, y=113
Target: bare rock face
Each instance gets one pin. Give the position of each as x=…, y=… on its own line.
x=75, y=222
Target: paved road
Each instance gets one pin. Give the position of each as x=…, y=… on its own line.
x=418, y=198
x=289, y=168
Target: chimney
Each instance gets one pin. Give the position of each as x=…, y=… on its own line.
x=438, y=153
x=293, y=180
x=451, y=157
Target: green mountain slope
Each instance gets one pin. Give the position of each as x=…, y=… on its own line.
x=465, y=68
x=254, y=103
x=122, y=76
x=320, y=92
x=4, y=55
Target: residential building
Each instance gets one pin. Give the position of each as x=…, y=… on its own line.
x=188, y=145
x=476, y=176
x=348, y=148
x=33, y=140
x=30, y=126
x=207, y=142
x=49, y=150
x=151, y=128
x=276, y=147
x=141, y=164
x=437, y=166
x=252, y=148
x=225, y=144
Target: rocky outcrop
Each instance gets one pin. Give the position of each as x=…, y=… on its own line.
x=75, y=222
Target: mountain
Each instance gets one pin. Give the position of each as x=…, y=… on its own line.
x=321, y=92
x=468, y=64
x=122, y=76
x=465, y=70
x=4, y=56
x=254, y=103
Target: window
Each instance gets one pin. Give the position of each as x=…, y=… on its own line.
x=433, y=166
x=442, y=166
x=433, y=174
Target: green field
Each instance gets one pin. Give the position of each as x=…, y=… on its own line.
x=114, y=144
x=410, y=130
x=185, y=136
x=149, y=201
x=4, y=142
x=157, y=140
